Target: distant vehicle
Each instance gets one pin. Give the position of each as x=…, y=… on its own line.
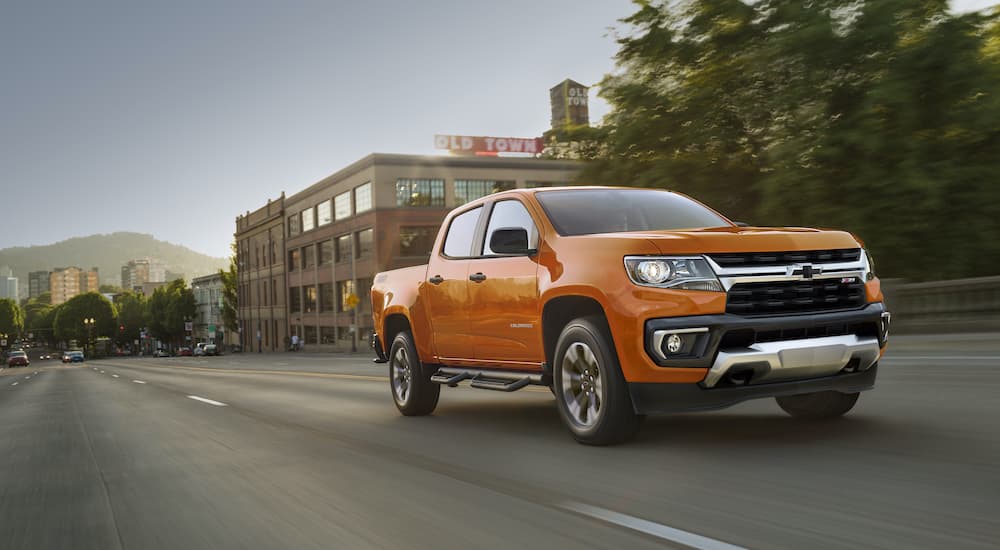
x=161, y=353
x=18, y=359
x=72, y=357
x=185, y=352
x=210, y=349
x=199, y=349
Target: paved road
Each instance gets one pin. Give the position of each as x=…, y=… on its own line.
x=307, y=451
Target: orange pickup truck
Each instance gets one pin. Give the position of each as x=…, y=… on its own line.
x=628, y=302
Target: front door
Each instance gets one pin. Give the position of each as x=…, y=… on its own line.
x=505, y=320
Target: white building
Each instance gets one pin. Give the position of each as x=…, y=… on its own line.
x=8, y=284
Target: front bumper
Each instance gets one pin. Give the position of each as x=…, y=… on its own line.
x=655, y=398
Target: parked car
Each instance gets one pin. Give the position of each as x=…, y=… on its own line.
x=627, y=302
x=18, y=359
x=72, y=357
x=161, y=353
x=185, y=352
x=210, y=349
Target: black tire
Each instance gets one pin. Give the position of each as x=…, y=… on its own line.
x=821, y=405
x=610, y=419
x=410, y=384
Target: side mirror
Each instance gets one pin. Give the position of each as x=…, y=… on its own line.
x=510, y=240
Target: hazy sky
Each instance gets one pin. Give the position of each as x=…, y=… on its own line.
x=173, y=117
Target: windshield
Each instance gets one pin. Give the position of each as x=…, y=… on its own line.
x=587, y=211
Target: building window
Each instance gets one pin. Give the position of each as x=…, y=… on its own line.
x=328, y=335
x=274, y=291
x=458, y=242
x=294, y=300
x=342, y=206
x=414, y=192
x=310, y=335
x=366, y=242
x=308, y=219
x=470, y=190
x=308, y=299
x=293, y=259
x=343, y=248
x=363, y=198
x=294, y=225
x=326, y=297
x=265, y=292
x=415, y=240
x=344, y=334
x=323, y=214
x=324, y=251
x=308, y=256
x=344, y=290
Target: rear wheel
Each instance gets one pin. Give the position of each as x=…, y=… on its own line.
x=818, y=405
x=412, y=389
x=590, y=390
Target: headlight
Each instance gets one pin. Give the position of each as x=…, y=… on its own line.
x=661, y=272
x=869, y=266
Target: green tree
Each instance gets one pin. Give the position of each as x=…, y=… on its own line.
x=169, y=308
x=43, y=325
x=877, y=117
x=230, y=296
x=131, y=315
x=11, y=318
x=69, y=323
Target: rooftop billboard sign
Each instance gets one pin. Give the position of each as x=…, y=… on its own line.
x=489, y=146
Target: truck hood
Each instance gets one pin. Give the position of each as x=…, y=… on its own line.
x=743, y=239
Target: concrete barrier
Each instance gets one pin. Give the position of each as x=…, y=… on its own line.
x=958, y=305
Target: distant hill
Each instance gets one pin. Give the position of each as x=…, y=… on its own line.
x=108, y=253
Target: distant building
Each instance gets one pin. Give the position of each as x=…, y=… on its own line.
x=208, y=324
x=306, y=262
x=138, y=272
x=8, y=284
x=569, y=102
x=38, y=283
x=67, y=282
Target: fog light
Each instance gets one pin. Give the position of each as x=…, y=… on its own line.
x=674, y=343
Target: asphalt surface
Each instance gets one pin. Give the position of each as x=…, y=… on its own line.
x=307, y=451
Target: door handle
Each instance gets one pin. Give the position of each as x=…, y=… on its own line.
x=436, y=280
x=477, y=277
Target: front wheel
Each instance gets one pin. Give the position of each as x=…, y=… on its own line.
x=820, y=405
x=412, y=389
x=590, y=390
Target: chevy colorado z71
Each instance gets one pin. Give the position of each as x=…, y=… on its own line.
x=628, y=302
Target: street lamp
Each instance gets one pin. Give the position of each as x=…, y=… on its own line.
x=89, y=323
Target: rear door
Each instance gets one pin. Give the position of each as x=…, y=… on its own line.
x=447, y=288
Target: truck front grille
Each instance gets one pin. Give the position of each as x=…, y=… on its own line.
x=761, y=259
x=784, y=297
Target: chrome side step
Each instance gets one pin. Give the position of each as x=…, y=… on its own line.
x=496, y=380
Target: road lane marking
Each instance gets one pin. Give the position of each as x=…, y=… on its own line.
x=138, y=381
x=102, y=372
x=114, y=376
x=14, y=384
x=649, y=527
x=209, y=401
x=27, y=378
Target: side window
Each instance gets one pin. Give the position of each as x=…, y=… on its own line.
x=458, y=242
x=506, y=214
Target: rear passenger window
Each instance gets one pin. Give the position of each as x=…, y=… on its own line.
x=458, y=242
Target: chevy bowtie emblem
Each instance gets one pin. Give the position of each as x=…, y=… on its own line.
x=807, y=271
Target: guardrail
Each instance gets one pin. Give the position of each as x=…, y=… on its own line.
x=958, y=305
